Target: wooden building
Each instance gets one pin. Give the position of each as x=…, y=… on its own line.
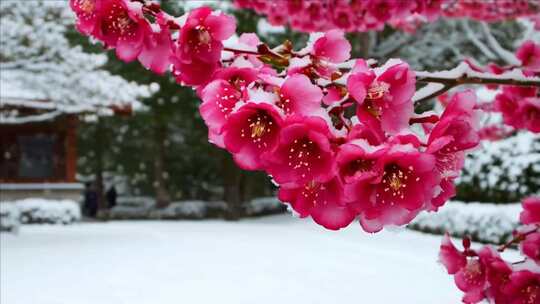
x=38, y=149
x=39, y=159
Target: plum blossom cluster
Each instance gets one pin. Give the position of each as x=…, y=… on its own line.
x=339, y=136
x=519, y=106
x=367, y=15
x=332, y=165
x=484, y=275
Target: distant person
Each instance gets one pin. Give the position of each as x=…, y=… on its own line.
x=111, y=197
x=90, y=205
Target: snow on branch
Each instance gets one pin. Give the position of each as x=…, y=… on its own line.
x=463, y=74
x=15, y=119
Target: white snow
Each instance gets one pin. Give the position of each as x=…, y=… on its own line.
x=276, y=259
x=264, y=28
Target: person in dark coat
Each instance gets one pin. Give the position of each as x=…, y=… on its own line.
x=90, y=204
x=111, y=196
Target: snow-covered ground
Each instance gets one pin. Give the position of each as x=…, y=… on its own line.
x=276, y=259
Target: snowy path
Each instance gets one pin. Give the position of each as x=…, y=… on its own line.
x=276, y=259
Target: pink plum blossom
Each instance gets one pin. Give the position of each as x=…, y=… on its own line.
x=250, y=131
x=356, y=161
x=452, y=259
x=529, y=111
x=384, y=94
x=455, y=132
x=299, y=96
x=524, y=287
x=202, y=35
x=469, y=272
x=198, y=51
x=157, y=52
x=87, y=12
x=531, y=247
x=321, y=201
x=405, y=184
x=221, y=95
x=122, y=26
x=332, y=47
x=529, y=55
x=531, y=211
x=519, y=107
x=304, y=152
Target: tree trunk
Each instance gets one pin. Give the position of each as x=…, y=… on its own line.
x=364, y=45
x=163, y=197
x=232, y=185
x=100, y=191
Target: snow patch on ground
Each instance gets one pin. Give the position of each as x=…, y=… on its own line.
x=275, y=259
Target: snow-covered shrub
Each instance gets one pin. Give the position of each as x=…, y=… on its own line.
x=132, y=207
x=264, y=205
x=178, y=210
x=145, y=208
x=482, y=222
x=40, y=211
x=502, y=171
x=9, y=217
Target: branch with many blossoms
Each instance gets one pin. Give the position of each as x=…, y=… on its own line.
x=484, y=275
x=370, y=15
x=340, y=137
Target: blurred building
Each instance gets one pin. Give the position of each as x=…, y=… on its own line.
x=38, y=141
x=38, y=147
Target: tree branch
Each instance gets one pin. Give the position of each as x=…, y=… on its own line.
x=463, y=74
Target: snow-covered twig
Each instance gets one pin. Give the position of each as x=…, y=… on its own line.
x=463, y=74
x=477, y=42
x=504, y=54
